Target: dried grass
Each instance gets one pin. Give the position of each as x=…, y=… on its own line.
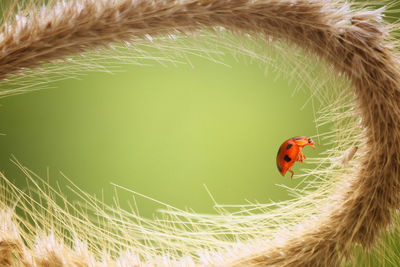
x=355, y=204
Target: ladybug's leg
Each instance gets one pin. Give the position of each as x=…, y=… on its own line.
x=291, y=173
x=300, y=157
x=301, y=152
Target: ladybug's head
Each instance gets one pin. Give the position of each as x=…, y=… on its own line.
x=311, y=142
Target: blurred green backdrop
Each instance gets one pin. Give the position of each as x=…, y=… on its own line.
x=161, y=131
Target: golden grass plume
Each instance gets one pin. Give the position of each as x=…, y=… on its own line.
x=347, y=206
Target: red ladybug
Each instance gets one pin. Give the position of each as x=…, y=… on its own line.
x=290, y=152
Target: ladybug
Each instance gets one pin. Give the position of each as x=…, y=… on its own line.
x=290, y=152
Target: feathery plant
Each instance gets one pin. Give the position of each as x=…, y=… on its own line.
x=349, y=198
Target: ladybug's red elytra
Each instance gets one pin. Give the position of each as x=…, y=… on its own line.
x=290, y=152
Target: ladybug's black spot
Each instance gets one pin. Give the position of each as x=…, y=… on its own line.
x=289, y=146
x=287, y=158
x=278, y=151
x=279, y=168
x=309, y=140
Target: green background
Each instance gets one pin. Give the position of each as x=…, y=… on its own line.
x=163, y=131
